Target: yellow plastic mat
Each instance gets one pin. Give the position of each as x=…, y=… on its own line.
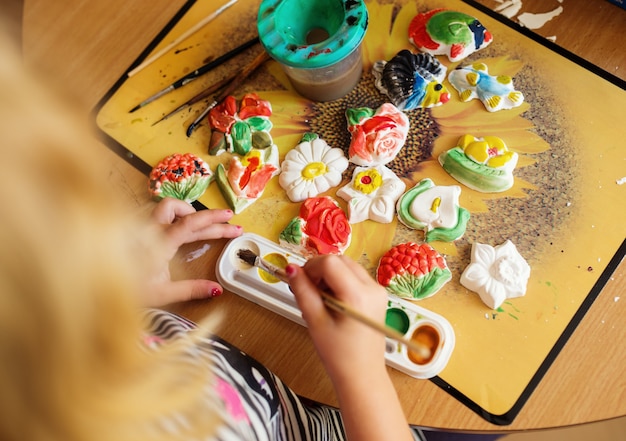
x=565, y=212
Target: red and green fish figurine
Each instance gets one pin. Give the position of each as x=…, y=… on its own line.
x=444, y=32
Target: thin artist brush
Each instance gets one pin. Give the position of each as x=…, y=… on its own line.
x=199, y=97
x=195, y=28
x=241, y=76
x=251, y=258
x=197, y=73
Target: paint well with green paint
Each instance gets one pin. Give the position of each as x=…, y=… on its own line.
x=397, y=319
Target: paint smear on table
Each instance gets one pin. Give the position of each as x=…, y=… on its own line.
x=510, y=8
x=197, y=253
x=535, y=21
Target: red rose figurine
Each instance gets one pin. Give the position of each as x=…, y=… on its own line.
x=321, y=228
x=377, y=136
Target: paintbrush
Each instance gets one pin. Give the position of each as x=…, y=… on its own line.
x=199, y=97
x=196, y=73
x=252, y=259
x=241, y=76
x=206, y=20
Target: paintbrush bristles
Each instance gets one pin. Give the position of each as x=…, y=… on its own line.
x=251, y=258
x=248, y=256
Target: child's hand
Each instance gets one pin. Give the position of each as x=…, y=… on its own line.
x=345, y=345
x=183, y=224
x=352, y=353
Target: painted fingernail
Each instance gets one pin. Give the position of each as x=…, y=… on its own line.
x=216, y=292
x=291, y=270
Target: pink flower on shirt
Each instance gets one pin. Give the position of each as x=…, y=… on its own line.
x=232, y=401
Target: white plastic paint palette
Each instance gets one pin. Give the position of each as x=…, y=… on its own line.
x=248, y=282
x=413, y=321
x=423, y=326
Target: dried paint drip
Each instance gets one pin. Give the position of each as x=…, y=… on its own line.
x=536, y=21
x=510, y=8
x=427, y=336
x=197, y=253
x=275, y=259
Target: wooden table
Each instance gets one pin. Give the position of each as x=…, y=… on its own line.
x=86, y=46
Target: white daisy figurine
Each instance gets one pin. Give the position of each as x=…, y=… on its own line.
x=496, y=274
x=311, y=168
x=372, y=194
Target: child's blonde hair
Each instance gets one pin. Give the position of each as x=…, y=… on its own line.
x=71, y=366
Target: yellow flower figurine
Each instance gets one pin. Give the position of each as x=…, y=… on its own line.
x=483, y=164
x=489, y=150
x=372, y=194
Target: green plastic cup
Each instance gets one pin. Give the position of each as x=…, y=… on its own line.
x=318, y=43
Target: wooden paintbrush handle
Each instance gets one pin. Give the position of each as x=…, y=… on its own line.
x=244, y=74
x=339, y=306
x=241, y=76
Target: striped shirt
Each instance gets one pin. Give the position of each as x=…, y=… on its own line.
x=257, y=404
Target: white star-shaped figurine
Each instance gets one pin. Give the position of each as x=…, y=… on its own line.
x=496, y=273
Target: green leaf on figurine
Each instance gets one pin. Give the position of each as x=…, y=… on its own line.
x=239, y=130
x=245, y=180
x=181, y=176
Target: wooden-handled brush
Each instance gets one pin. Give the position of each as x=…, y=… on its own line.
x=241, y=76
x=251, y=258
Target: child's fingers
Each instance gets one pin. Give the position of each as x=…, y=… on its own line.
x=330, y=271
x=181, y=291
x=168, y=209
x=307, y=295
x=203, y=225
x=358, y=270
x=344, y=277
